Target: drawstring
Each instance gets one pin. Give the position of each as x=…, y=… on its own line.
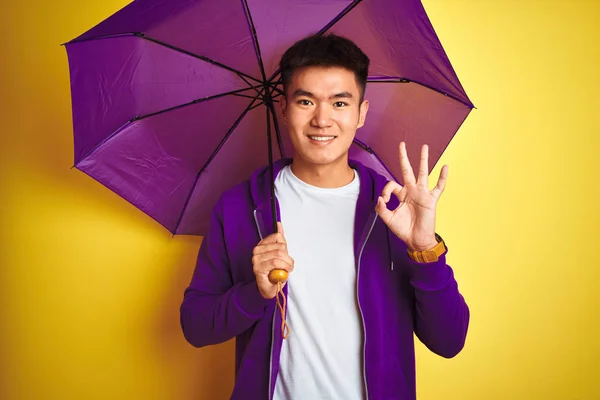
x=279, y=277
x=281, y=306
x=389, y=243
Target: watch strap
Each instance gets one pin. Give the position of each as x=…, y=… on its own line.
x=430, y=255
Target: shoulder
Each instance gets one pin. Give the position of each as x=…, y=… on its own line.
x=235, y=197
x=375, y=178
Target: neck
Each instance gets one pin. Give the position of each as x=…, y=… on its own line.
x=333, y=175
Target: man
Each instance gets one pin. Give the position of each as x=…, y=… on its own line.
x=366, y=269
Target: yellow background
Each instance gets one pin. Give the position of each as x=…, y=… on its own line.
x=90, y=287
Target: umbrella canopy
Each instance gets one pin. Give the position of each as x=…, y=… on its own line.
x=173, y=101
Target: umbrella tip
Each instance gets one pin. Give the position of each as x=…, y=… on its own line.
x=68, y=42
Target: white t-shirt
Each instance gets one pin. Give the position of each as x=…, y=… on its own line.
x=322, y=357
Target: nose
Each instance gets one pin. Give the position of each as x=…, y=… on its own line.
x=322, y=116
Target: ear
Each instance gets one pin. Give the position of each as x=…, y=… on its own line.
x=362, y=113
x=283, y=105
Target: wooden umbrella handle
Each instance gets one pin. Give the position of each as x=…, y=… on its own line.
x=278, y=276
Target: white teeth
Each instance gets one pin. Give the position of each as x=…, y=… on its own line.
x=322, y=138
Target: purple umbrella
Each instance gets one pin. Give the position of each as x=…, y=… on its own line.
x=173, y=101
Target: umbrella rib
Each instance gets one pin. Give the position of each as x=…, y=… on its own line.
x=326, y=28
x=246, y=96
x=276, y=89
x=200, y=100
x=276, y=96
x=406, y=80
x=261, y=96
x=255, y=106
x=370, y=150
x=113, y=190
x=275, y=120
x=138, y=118
x=212, y=156
x=189, y=53
x=260, y=104
x=250, y=85
x=109, y=36
x=339, y=16
x=255, y=39
x=170, y=46
x=271, y=172
x=96, y=147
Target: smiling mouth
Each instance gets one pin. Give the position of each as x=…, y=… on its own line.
x=322, y=138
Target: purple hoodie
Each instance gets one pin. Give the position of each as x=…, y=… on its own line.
x=397, y=296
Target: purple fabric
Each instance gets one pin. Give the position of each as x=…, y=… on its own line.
x=153, y=59
x=223, y=301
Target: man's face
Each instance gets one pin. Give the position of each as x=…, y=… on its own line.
x=322, y=110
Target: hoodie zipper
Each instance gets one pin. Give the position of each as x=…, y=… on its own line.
x=360, y=308
x=272, y=321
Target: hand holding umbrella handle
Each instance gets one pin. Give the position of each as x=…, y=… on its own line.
x=269, y=253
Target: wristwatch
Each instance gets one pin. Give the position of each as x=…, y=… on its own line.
x=430, y=255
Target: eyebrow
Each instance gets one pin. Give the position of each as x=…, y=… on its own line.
x=341, y=95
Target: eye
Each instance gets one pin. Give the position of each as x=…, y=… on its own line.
x=304, y=102
x=340, y=104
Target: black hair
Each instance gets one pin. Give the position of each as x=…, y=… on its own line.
x=327, y=51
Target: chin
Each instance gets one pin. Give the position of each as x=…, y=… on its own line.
x=322, y=159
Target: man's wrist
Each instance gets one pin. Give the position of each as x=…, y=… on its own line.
x=423, y=248
x=430, y=245
x=430, y=254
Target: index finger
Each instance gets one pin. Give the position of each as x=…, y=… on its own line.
x=407, y=172
x=389, y=188
x=275, y=237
